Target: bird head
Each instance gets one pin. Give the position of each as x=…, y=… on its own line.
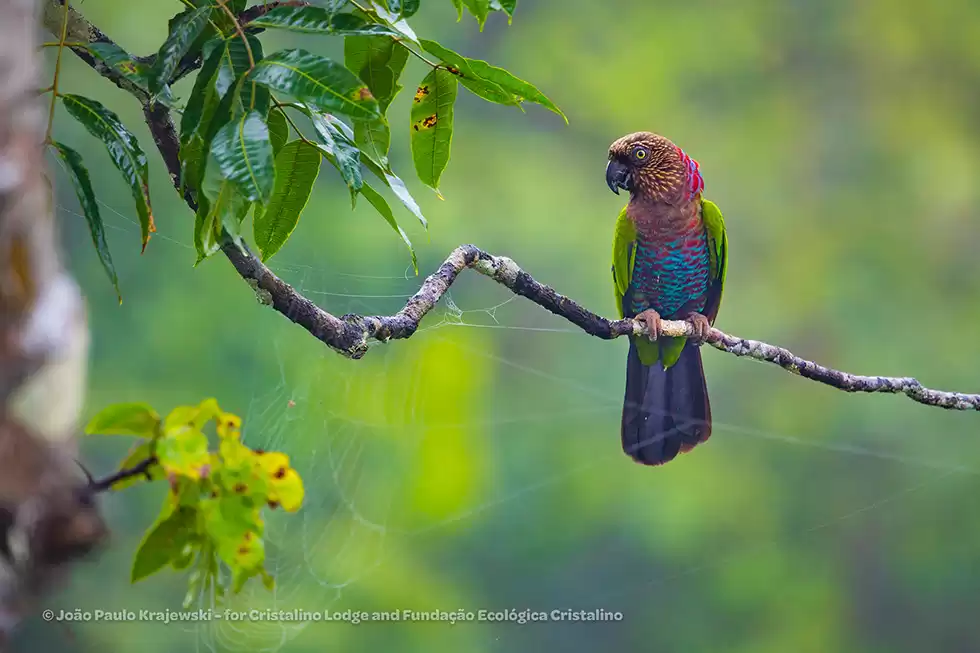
x=649, y=166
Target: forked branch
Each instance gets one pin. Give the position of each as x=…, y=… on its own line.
x=350, y=335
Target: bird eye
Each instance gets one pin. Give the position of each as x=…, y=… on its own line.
x=640, y=153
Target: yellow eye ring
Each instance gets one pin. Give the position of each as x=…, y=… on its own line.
x=640, y=154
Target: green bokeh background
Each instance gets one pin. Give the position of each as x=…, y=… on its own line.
x=477, y=466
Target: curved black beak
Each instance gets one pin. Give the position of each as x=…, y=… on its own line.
x=618, y=176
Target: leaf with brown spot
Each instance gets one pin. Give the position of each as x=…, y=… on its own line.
x=490, y=82
x=460, y=67
x=432, y=126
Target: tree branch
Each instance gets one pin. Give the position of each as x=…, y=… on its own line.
x=350, y=334
x=141, y=468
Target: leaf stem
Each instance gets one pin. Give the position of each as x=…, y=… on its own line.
x=400, y=42
x=57, y=71
x=396, y=39
x=248, y=48
x=292, y=124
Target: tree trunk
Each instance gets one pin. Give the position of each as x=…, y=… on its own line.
x=47, y=519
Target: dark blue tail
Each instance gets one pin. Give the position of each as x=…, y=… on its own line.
x=665, y=412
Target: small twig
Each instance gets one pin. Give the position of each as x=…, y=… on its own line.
x=62, y=40
x=396, y=39
x=238, y=30
x=142, y=468
x=248, y=48
x=67, y=44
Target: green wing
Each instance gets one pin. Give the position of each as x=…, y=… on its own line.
x=714, y=224
x=624, y=250
x=624, y=256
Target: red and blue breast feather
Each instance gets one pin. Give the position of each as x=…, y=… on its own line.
x=695, y=182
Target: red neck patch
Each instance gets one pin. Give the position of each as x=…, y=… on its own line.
x=695, y=182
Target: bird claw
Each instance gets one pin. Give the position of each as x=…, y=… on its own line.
x=700, y=325
x=651, y=319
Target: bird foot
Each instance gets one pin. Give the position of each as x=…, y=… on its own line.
x=651, y=319
x=700, y=325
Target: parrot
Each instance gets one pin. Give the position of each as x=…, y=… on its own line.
x=670, y=259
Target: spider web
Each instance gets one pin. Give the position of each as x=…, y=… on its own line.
x=360, y=432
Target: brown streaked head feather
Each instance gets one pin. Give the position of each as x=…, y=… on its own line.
x=657, y=170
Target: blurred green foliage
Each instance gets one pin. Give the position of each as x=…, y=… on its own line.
x=212, y=514
x=478, y=467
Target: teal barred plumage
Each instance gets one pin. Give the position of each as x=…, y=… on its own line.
x=670, y=255
x=670, y=274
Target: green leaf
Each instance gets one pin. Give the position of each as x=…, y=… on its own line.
x=124, y=150
x=194, y=417
x=234, y=64
x=125, y=419
x=183, y=559
x=512, y=84
x=459, y=9
x=506, y=6
x=461, y=67
x=184, y=453
x=217, y=115
x=381, y=206
x=318, y=20
x=297, y=167
x=244, y=155
x=373, y=138
x=232, y=527
x=207, y=230
x=278, y=130
x=164, y=542
x=340, y=147
x=394, y=21
x=126, y=65
x=480, y=10
x=379, y=62
x=202, y=107
x=401, y=192
x=474, y=74
x=203, y=90
x=90, y=207
x=221, y=207
x=432, y=125
x=384, y=173
x=185, y=31
x=318, y=81
x=403, y=8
